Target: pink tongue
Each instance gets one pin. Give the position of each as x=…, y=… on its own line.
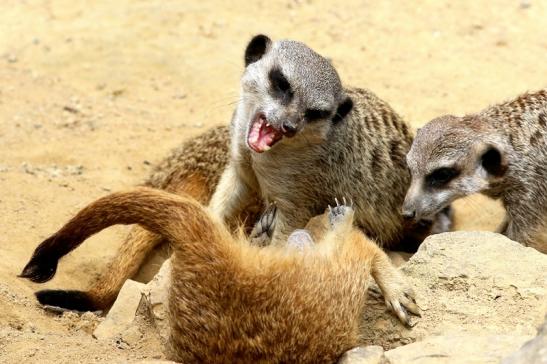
x=261, y=137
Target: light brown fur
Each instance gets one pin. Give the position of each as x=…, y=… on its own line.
x=235, y=302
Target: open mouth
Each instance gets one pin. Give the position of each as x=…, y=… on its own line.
x=262, y=136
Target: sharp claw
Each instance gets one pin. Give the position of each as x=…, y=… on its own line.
x=400, y=312
x=337, y=203
x=344, y=200
x=411, y=306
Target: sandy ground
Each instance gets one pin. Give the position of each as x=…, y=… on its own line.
x=90, y=95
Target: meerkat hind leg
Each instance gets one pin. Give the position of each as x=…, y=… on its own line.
x=398, y=294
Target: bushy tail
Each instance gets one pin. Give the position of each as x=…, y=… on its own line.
x=179, y=219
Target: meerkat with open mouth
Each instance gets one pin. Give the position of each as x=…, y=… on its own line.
x=299, y=139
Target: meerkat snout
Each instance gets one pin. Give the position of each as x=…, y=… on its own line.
x=409, y=212
x=449, y=159
x=288, y=90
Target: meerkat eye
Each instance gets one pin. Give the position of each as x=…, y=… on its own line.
x=441, y=176
x=316, y=114
x=280, y=85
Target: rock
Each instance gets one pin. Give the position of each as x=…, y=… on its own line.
x=456, y=350
x=533, y=351
x=467, y=283
x=156, y=297
x=132, y=335
x=363, y=355
x=122, y=313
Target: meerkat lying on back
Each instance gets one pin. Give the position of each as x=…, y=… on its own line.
x=234, y=302
x=500, y=152
x=299, y=139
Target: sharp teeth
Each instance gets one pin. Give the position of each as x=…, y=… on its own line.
x=268, y=125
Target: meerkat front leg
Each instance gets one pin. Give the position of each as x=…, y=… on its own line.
x=290, y=217
x=264, y=227
x=231, y=195
x=300, y=239
x=273, y=228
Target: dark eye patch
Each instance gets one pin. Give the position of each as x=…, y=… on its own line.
x=281, y=87
x=441, y=176
x=316, y=114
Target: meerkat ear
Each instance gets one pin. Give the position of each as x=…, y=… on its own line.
x=492, y=159
x=343, y=110
x=256, y=48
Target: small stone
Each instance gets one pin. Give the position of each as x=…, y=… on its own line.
x=131, y=336
x=363, y=355
x=156, y=297
x=122, y=313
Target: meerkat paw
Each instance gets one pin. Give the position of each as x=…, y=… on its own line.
x=341, y=213
x=400, y=297
x=263, y=229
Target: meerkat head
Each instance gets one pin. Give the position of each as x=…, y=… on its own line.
x=451, y=157
x=287, y=91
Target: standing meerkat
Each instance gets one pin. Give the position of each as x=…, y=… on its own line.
x=231, y=301
x=300, y=139
x=297, y=138
x=500, y=152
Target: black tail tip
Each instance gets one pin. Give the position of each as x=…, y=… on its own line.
x=39, y=270
x=43, y=264
x=70, y=300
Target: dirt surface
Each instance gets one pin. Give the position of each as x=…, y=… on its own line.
x=91, y=95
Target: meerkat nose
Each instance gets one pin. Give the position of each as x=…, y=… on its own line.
x=409, y=213
x=288, y=129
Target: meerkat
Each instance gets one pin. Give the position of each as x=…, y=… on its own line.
x=297, y=138
x=500, y=152
x=231, y=301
